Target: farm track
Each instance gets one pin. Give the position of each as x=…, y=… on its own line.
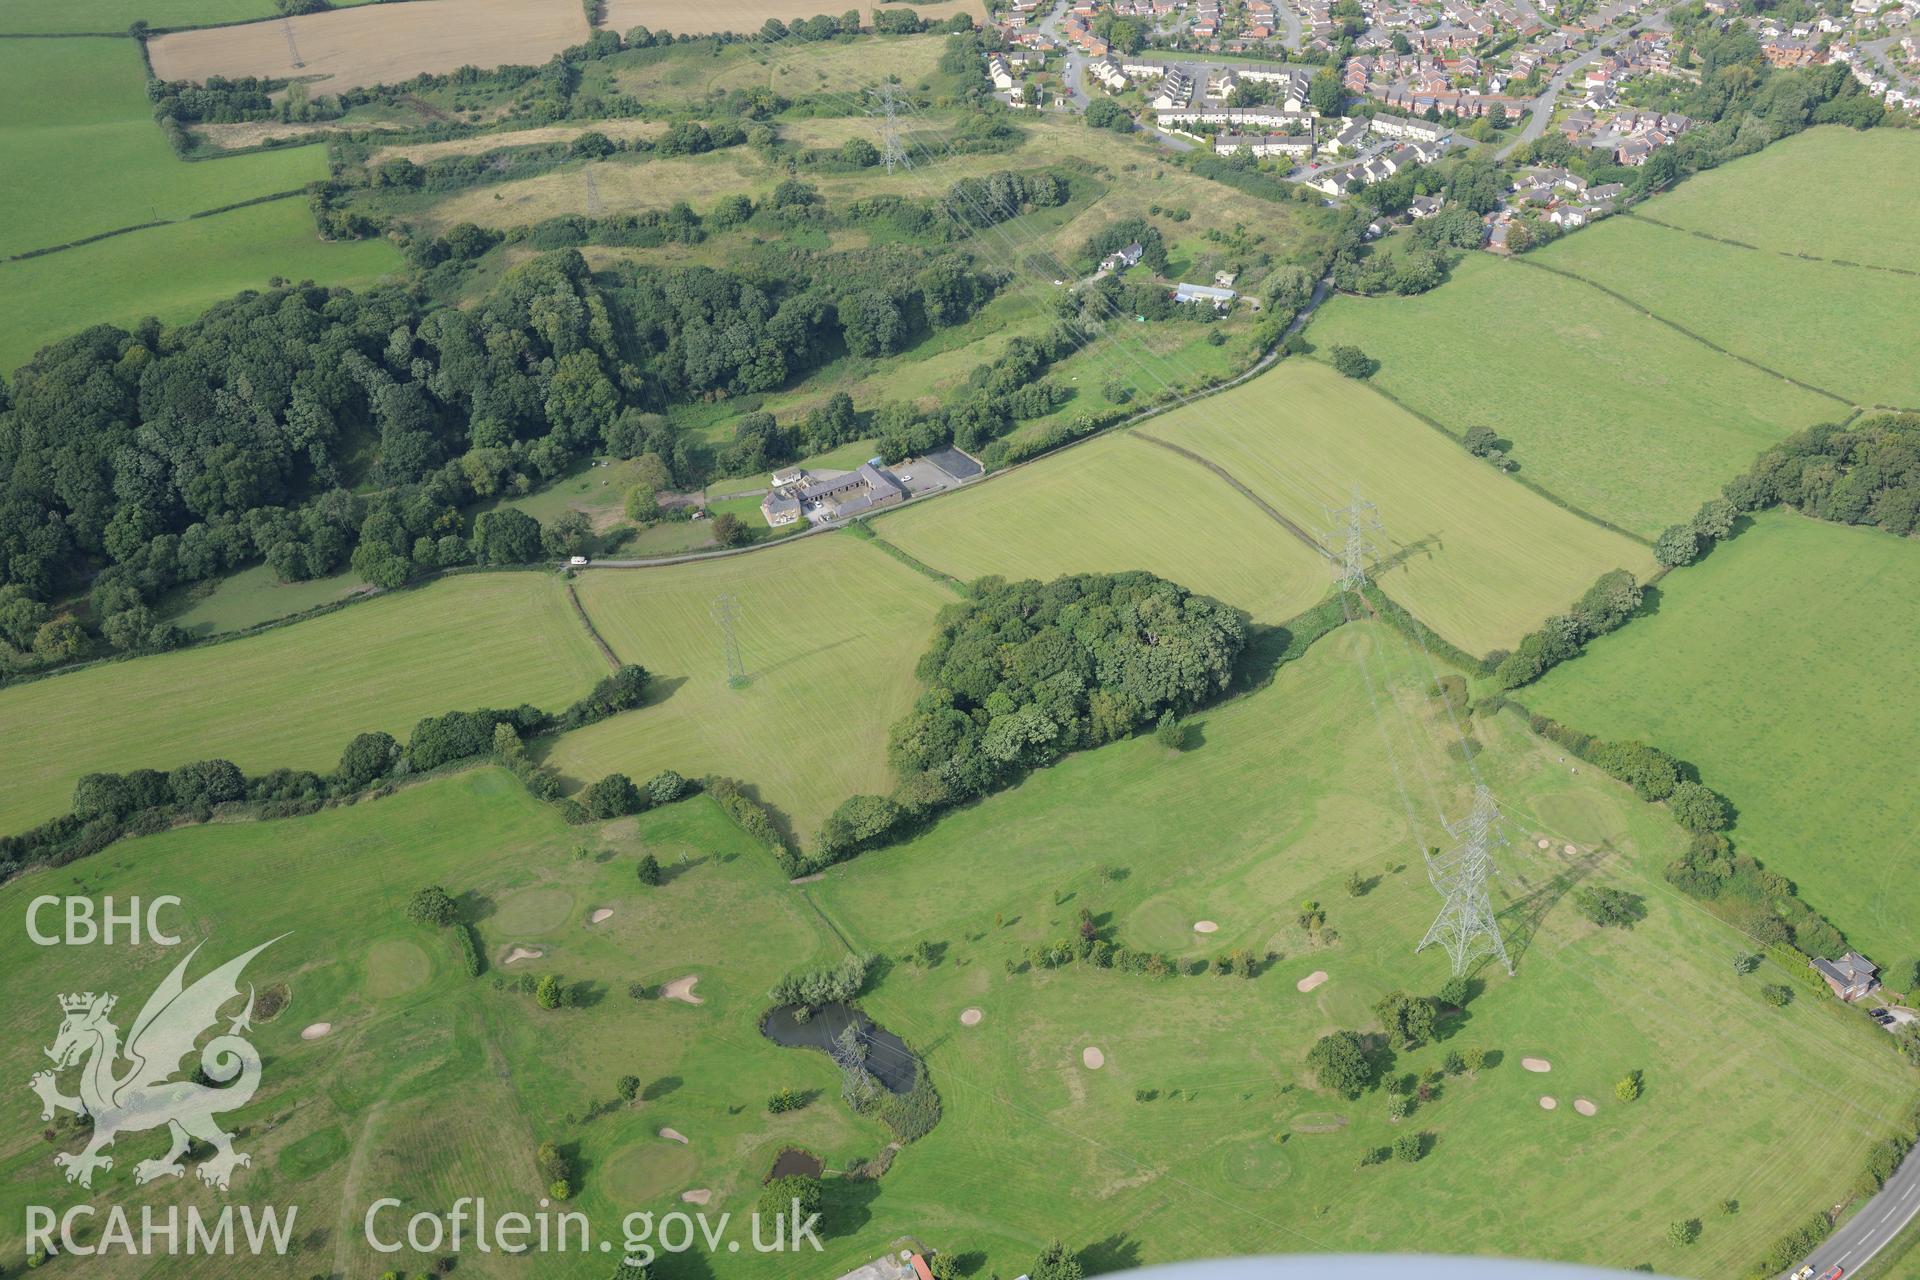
x=1269, y=511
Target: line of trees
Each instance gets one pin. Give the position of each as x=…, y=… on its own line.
x=1605, y=607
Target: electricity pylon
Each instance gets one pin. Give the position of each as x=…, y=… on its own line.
x=725, y=611
x=1465, y=925
x=1351, y=525
x=892, y=153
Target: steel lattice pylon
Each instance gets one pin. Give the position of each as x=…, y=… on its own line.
x=1465, y=926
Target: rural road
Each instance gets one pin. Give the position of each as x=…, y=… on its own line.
x=1874, y=1227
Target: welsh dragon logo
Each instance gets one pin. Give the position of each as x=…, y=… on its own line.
x=145, y=1092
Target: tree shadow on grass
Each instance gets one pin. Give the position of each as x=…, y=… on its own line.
x=1118, y=1252
x=1520, y=920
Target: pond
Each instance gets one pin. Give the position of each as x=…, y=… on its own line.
x=888, y=1058
x=795, y=1161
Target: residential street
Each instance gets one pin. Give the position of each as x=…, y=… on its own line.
x=1541, y=113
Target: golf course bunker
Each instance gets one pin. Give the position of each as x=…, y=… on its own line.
x=1092, y=1058
x=674, y=1135
x=395, y=968
x=1585, y=1107
x=1311, y=981
x=888, y=1059
x=1570, y=850
x=522, y=953
x=1547, y=1104
x=795, y=1161
x=1544, y=843
x=970, y=1017
x=313, y=1031
x=644, y=1172
x=532, y=912
x=1205, y=926
x=604, y=913
x=1540, y=1065
x=699, y=1195
x=681, y=989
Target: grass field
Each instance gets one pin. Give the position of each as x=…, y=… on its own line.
x=1783, y=667
x=1477, y=557
x=792, y=70
x=407, y=1095
x=432, y=1085
x=829, y=630
x=174, y=272
x=1820, y=192
x=377, y=43
x=294, y=696
x=745, y=17
x=1115, y=504
x=1611, y=411
x=1287, y=795
x=251, y=597
x=49, y=17
x=1804, y=319
x=76, y=127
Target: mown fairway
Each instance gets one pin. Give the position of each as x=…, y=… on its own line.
x=1848, y=330
x=1783, y=666
x=1477, y=557
x=829, y=631
x=1823, y=192
x=1289, y=793
x=294, y=696
x=1607, y=409
x=77, y=132
x=433, y=1085
x=1116, y=504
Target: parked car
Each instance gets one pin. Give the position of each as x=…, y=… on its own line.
x=1874, y=1013
x=576, y=561
x=1804, y=1273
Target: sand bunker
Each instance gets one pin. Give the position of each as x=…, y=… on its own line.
x=1569, y=850
x=521, y=953
x=1547, y=1104
x=699, y=1195
x=1093, y=1058
x=970, y=1017
x=604, y=913
x=315, y=1031
x=1545, y=843
x=681, y=989
x=1536, y=1064
x=1311, y=981
x=674, y=1135
x=1585, y=1107
x=1204, y=926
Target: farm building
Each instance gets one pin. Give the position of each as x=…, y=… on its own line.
x=1220, y=298
x=849, y=494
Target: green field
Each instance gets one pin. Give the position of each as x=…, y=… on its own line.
x=43, y=17
x=76, y=126
x=1610, y=411
x=1117, y=504
x=1783, y=666
x=1821, y=192
x=293, y=696
x=173, y=272
x=432, y=1085
x=829, y=630
x=408, y=1095
x=253, y=596
x=1846, y=330
x=1477, y=557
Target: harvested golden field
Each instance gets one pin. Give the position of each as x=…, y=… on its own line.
x=481, y=143
x=706, y=17
x=378, y=44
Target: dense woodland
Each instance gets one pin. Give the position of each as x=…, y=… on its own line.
x=316, y=428
x=1864, y=473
